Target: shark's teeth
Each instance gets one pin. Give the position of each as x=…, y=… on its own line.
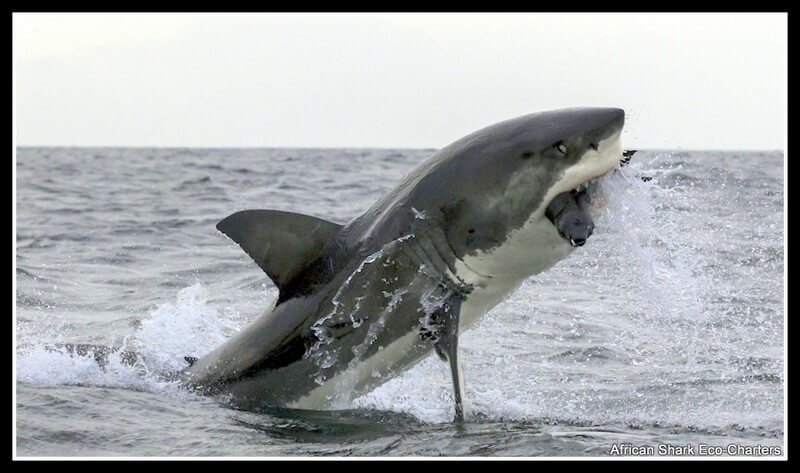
x=585, y=185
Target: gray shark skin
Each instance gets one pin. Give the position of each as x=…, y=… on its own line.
x=361, y=302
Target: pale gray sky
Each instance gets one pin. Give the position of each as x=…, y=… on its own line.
x=697, y=81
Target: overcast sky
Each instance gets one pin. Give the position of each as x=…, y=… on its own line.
x=697, y=81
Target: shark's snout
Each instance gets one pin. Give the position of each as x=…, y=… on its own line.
x=597, y=124
x=616, y=117
x=609, y=119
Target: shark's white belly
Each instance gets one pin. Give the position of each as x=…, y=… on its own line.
x=533, y=249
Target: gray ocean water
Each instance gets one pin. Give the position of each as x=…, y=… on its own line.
x=667, y=327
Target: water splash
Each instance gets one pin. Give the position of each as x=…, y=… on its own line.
x=189, y=326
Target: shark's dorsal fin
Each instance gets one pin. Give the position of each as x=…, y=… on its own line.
x=283, y=244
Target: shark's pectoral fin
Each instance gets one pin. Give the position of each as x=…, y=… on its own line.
x=446, y=346
x=283, y=244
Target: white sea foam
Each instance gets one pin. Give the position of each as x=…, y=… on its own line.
x=187, y=327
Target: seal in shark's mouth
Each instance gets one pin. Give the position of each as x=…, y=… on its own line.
x=569, y=212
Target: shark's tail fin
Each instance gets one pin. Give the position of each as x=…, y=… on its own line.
x=283, y=244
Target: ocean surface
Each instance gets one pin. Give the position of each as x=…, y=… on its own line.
x=667, y=327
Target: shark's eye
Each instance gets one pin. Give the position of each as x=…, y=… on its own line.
x=593, y=146
x=562, y=148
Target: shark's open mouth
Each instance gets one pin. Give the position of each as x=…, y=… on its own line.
x=569, y=211
x=586, y=186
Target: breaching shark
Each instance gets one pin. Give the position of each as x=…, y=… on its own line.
x=361, y=302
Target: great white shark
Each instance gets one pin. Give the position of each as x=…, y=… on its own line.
x=361, y=302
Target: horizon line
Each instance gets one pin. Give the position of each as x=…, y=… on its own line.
x=358, y=147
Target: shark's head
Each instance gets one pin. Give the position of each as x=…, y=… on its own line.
x=502, y=179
